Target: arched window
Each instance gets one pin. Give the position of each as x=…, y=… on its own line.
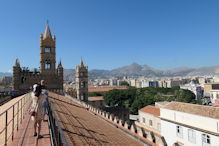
x=23, y=80
x=82, y=84
x=47, y=64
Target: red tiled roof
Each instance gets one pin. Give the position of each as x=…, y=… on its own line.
x=96, y=98
x=201, y=110
x=80, y=127
x=151, y=110
x=104, y=89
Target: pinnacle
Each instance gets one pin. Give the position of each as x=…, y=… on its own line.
x=17, y=63
x=81, y=62
x=47, y=33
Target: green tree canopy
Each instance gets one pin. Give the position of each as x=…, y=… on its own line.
x=137, y=98
x=124, y=83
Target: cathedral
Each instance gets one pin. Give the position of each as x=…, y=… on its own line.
x=23, y=79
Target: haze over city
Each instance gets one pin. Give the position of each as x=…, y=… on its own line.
x=111, y=34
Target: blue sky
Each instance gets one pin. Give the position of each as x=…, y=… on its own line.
x=108, y=34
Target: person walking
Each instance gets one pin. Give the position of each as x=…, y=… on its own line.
x=38, y=96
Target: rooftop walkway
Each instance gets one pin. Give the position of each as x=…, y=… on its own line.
x=25, y=137
x=19, y=124
x=77, y=123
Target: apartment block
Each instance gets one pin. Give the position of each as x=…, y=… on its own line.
x=184, y=124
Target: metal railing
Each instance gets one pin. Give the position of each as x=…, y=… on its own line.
x=57, y=135
x=12, y=118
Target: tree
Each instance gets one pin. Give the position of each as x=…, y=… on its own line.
x=141, y=101
x=92, y=94
x=124, y=83
x=137, y=98
x=185, y=96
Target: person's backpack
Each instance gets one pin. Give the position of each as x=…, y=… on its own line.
x=37, y=91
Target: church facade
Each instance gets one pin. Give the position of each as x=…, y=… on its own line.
x=23, y=79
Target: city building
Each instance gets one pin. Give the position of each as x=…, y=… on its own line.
x=202, y=81
x=113, y=82
x=210, y=86
x=5, y=89
x=161, y=84
x=184, y=124
x=142, y=83
x=138, y=84
x=171, y=83
x=23, y=79
x=133, y=82
x=195, y=88
x=214, y=97
x=5, y=80
x=149, y=120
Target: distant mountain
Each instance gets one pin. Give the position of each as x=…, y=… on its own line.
x=210, y=70
x=2, y=74
x=69, y=74
x=181, y=71
x=136, y=70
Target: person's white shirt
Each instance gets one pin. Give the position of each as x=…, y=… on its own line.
x=34, y=87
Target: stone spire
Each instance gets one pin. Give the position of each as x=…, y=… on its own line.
x=17, y=63
x=60, y=64
x=81, y=62
x=47, y=33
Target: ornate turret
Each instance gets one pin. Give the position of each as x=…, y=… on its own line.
x=60, y=74
x=60, y=64
x=54, y=37
x=17, y=63
x=60, y=68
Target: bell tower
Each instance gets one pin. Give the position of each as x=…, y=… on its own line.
x=47, y=52
x=16, y=80
x=82, y=81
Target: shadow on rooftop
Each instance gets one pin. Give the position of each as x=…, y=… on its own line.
x=67, y=103
x=82, y=135
x=89, y=130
